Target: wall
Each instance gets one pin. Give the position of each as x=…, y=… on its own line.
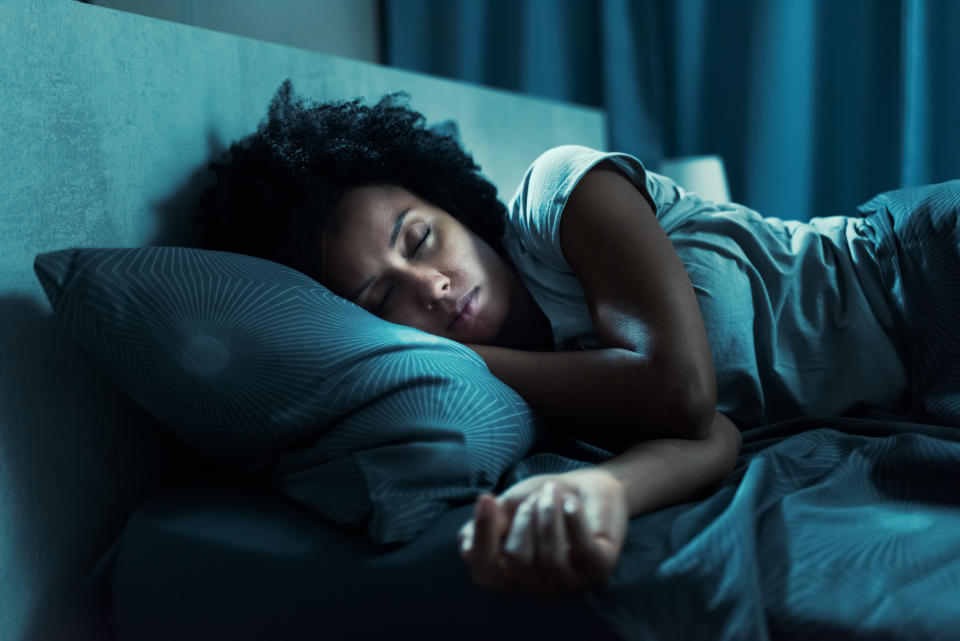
x=109, y=120
x=347, y=28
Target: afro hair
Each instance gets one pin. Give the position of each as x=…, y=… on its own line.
x=277, y=188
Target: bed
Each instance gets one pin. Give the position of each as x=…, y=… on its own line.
x=833, y=527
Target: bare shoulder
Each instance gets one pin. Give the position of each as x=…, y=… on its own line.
x=638, y=292
x=605, y=181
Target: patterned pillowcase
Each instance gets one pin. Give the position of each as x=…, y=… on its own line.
x=255, y=364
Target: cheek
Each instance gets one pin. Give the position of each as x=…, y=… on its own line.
x=501, y=300
x=498, y=292
x=409, y=315
x=495, y=271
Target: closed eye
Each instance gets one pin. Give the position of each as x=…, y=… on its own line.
x=423, y=239
x=383, y=302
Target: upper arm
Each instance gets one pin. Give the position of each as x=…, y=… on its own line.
x=637, y=289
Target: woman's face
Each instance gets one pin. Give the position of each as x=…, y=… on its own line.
x=412, y=263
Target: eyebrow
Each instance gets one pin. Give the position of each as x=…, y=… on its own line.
x=397, y=226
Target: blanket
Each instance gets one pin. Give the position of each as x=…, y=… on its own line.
x=827, y=528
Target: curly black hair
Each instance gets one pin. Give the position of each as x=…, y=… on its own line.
x=277, y=188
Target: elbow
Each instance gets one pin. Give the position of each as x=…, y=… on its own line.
x=731, y=440
x=695, y=417
x=681, y=414
x=695, y=406
x=682, y=398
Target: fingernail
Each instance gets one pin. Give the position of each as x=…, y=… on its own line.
x=467, y=543
x=512, y=546
x=570, y=505
x=483, y=508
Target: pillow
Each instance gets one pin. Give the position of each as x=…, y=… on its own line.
x=255, y=364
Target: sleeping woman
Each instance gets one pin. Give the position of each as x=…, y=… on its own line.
x=624, y=309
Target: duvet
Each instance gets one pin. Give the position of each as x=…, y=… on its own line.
x=838, y=528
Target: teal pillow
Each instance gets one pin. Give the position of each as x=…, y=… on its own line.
x=255, y=364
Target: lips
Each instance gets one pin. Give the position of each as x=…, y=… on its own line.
x=466, y=309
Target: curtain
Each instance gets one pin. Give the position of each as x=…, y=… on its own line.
x=814, y=105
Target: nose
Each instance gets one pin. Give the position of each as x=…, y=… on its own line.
x=430, y=286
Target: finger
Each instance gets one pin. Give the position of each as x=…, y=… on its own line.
x=465, y=537
x=509, y=505
x=555, y=575
x=551, y=530
x=486, y=540
x=519, y=548
x=519, y=542
x=587, y=558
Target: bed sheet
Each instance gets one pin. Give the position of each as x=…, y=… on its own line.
x=839, y=528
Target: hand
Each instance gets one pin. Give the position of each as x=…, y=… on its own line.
x=548, y=535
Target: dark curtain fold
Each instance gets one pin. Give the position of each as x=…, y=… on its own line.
x=815, y=105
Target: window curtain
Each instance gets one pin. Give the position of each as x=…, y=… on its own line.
x=814, y=105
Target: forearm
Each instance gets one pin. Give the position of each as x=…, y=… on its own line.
x=663, y=472
x=611, y=390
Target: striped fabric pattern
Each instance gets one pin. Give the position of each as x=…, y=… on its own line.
x=257, y=365
x=918, y=247
x=833, y=528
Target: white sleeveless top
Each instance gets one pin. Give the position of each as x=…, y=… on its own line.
x=795, y=312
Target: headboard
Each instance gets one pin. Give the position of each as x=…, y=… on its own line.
x=107, y=123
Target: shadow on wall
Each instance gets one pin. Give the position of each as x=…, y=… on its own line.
x=78, y=454
x=173, y=213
